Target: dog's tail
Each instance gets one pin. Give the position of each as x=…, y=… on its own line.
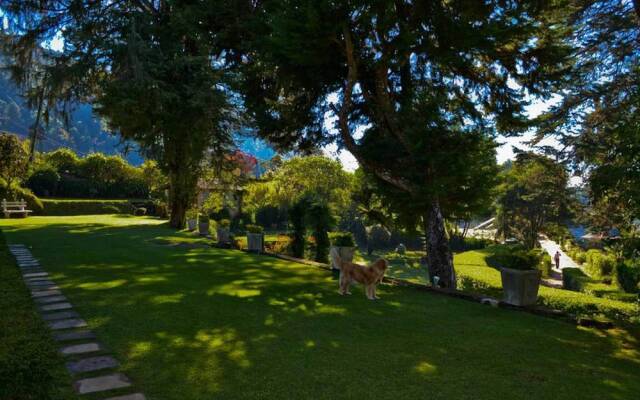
x=335, y=257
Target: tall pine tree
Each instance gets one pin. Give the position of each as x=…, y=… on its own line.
x=416, y=90
x=156, y=70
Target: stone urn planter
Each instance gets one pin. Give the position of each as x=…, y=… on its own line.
x=520, y=286
x=344, y=252
x=203, y=225
x=255, y=242
x=191, y=224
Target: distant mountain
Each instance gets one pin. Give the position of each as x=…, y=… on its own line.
x=85, y=133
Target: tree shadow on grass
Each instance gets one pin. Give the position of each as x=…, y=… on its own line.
x=198, y=323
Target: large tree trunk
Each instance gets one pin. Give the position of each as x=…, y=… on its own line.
x=439, y=257
x=182, y=187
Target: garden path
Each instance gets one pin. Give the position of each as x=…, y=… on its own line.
x=555, y=280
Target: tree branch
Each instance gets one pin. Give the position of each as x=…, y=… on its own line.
x=343, y=120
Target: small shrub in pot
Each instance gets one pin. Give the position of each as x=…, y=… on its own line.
x=255, y=238
x=520, y=273
x=222, y=231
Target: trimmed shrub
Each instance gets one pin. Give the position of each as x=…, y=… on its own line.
x=254, y=228
x=545, y=265
x=574, y=279
x=85, y=207
x=341, y=239
x=599, y=264
x=299, y=228
x=514, y=257
x=628, y=274
x=320, y=220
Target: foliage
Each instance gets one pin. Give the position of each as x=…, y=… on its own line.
x=599, y=264
x=515, y=257
x=13, y=158
x=254, y=228
x=342, y=239
x=67, y=207
x=203, y=218
x=533, y=194
x=320, y=221
x=62, y=173
x=628, y=274
x=224, y=223
x=459, y=243
x=281, y=245
x=297, y=219
x=44, y=181
x=30, y=365
x=297, y=177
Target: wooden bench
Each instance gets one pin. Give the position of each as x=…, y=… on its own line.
x=15, y=207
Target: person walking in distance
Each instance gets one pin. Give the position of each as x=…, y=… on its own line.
x=556, y=258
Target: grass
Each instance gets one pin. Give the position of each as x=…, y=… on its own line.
x=475, y=275
x=201, y=323
x=30, y=367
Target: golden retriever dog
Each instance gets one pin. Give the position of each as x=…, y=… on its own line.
x=369, y=276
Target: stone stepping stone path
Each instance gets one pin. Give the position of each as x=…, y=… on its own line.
x=86, y=355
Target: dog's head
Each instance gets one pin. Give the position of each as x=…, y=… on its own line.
x=380, y=265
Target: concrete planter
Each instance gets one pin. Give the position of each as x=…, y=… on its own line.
x=191, y=224
x=345, y=253
x=223, y=235
x=255, y=242
x=203, y=228
x=520, y=286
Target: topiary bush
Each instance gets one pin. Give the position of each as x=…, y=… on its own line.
x=299, y=228
x=320, y=220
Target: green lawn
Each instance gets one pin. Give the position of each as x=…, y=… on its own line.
x=475, y=275
x=203, y=323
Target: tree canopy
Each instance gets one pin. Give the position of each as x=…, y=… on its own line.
x=416, y=89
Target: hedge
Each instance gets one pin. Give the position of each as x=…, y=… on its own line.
x=599, y=264
x=30, y=365
x=65, y=207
